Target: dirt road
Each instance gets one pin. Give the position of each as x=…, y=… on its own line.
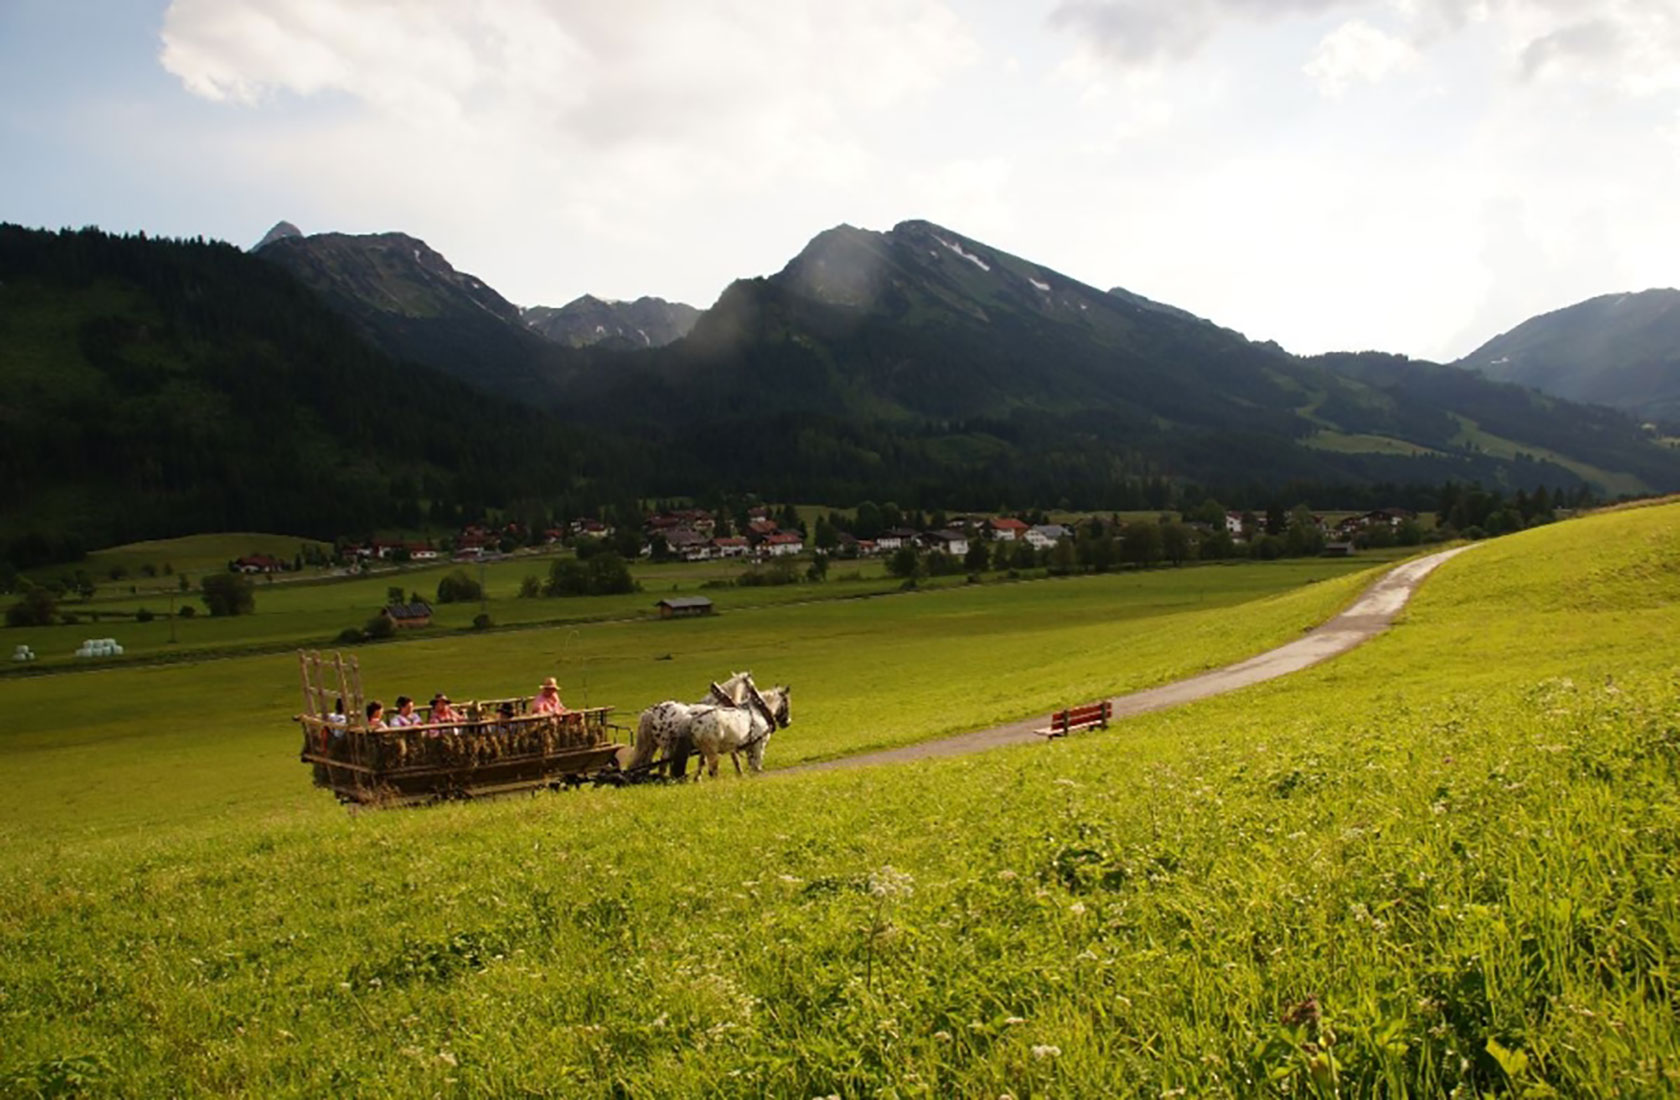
x=1367, y=617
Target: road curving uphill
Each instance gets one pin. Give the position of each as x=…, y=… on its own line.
x=1365, y=618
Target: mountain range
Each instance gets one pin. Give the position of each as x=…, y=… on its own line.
x=1621, y=350
x=915, y=364
x=624, y=326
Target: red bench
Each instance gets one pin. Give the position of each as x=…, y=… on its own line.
x=1089, y=716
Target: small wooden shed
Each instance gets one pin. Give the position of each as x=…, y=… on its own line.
x=682, y=607
x=406, y=615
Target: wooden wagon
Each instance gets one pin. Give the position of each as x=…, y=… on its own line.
x=489, y=751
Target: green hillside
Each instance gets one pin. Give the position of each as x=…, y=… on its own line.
x=150, y=389
x=1621, y=350
x=1442, y=862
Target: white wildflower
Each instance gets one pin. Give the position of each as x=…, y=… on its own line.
x=890, y=883
x=447, y=1058
x=942, y=1036
x=1045, y=1051
x=1006, y=875
x=1077, y=909
x=1011, y=1021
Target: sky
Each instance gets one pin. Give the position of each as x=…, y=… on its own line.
x=1412, y=176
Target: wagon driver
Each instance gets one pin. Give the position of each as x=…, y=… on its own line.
x=547, y=700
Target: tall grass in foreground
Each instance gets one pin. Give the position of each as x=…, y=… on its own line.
x=1442, y=864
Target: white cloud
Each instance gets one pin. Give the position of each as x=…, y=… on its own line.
x=1355, y=52
x=739, y=85
x=1632, y=46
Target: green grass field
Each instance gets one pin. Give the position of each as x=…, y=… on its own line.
x=128, y=747
x=1445, y=861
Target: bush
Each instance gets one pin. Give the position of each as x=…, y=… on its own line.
x=228, y=594
x=604, y=574
x=69, y=618
x=187, y=612
x=530, y=587
x=457, y=587
x=481, y=621
x=350, y=636
x=380, y=626
x=37, y=608
x=143, y=615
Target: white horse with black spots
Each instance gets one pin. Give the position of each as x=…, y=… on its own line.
x=664, y=730
x=746, y=728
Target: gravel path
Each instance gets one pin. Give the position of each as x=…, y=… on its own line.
x=1368, y=616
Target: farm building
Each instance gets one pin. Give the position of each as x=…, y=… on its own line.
x=1046, y=534
x=681, y=607
x=408, y=615
x=259, y=563
x=781, y=545
x=1006, y=529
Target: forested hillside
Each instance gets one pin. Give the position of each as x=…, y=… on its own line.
x=152, y=387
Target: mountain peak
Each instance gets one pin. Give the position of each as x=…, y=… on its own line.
x=281, y=230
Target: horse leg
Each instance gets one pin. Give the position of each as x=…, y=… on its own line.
x=735, y=758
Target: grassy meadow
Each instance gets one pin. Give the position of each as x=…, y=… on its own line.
x=1442, y=864
x=157, y=746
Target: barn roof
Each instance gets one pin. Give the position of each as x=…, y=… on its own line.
x=679, y=603
x=417, y=610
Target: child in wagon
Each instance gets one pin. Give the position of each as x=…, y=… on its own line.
x=547, y=700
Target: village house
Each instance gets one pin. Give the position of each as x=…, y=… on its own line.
x=1006, y=528
x=259, y=563
x=781, y=545
x=734, y=546
x=1234, y=524
x=761, y=528
x=593, y=528
x=1045, y=535
x=954, y=543
x=688, y=545
x=408, y=616
x=894, y=539
x=420, y=551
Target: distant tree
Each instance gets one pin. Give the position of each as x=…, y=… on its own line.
x=905, y=563
x=1023, y=556
x=1217, y=546
x=868, y=523
x=826, y=536
x=380, y=626
x=567, y=577
x=1177, y=543
x=1064, y=558
x=941, y=564
x=609, y=575
x=1409, y=533
x=394, y=594
x=1303, y=537
x=185, y=583
x=1141, y=544
x=37, y=608
x=818, y=571
x=144, y=615
x=186, y=611
x=530, y=587
x=978, y=558
x=227, y=594
x=458, y=587
x=1210, y=512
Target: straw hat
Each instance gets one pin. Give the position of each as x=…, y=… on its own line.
x=551, y=682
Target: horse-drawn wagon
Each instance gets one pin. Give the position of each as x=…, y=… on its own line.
x=495, y=746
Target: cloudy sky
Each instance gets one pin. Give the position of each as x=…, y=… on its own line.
x=1407, y=175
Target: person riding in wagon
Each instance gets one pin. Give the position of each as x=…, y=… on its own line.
x=547, y=699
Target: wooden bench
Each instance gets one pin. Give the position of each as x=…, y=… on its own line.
x=1089, y=716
